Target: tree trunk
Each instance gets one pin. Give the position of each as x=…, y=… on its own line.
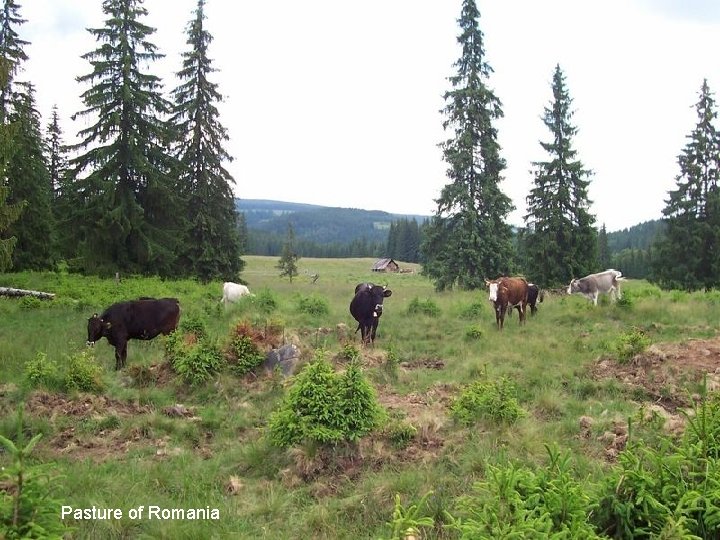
x=7, y=291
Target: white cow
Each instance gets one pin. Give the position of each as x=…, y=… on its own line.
x=591, y=286
x=232, y=292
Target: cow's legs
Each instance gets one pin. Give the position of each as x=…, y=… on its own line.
x=120, y=355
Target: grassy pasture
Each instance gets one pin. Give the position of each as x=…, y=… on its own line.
x=122, y=450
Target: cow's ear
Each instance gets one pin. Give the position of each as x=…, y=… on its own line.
x=95, y=316
x=387, y=292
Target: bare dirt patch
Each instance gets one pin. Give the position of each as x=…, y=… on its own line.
x=667, y=372
x=99, y=444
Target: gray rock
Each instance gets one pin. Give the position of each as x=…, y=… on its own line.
x=286, y=358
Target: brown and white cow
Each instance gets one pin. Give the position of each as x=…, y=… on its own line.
x=508, y=292
x=591, y=286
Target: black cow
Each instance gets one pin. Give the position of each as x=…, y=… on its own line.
x=366, y=308
x=534, y=295
x=145, y=318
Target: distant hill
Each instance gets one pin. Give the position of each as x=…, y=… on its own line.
x=318, y=224
x=638, y=236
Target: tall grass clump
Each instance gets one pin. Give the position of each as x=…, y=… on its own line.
x=323, y=407
x=266, y=301
x=42, y=372
x=495, y=401
x=313, y=305
x=423, y=307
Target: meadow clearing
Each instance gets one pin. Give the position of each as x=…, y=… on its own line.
x=583, y=376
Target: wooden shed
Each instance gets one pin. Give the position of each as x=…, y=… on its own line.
x=385, y=265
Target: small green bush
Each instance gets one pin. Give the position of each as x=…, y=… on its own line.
x=473, y=332
x=194, y=324
x=401, y=434
x=84, y=374
x=326, y=408
x=42, y=372
x=30, y=302
x=491, y=400
x=313, y=305
x=349, y=352
x=630, y=343
x=266, y=301
x=195, y=360
x=423, y=307
x=474, y=310
x=246, y=355
x=627, y=301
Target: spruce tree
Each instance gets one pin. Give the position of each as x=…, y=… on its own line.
x=288, y=258
x=468, y=238
x=55, y=152
x=604, y=259
x=560, y=241
x=213, y=246
x=128, y=216
x=9, y=213
x=687, y=255
x=12, y=52
x=29, y=180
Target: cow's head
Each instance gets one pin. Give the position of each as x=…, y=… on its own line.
x=493, y=288
x=376, y=295
x=573, y=287
x=96, y=327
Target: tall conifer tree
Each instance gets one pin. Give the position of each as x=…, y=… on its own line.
x=213, y=246
x=128, y=216
x=687, y=255
x=12, y=51
x=55, y=152
x=468, y=238
x=561, y=241
x=29, y=180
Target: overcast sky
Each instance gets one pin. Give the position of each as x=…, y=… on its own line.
x=337, y=102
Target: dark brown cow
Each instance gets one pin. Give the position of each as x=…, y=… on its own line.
x=366, y=307
x=507, y=292
x=144, y=318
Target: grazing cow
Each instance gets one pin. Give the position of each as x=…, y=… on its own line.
x=135, y=319
x=535, y=295
x=507, y=292
x=366, y=308
x=232, y=292
x=591, y=286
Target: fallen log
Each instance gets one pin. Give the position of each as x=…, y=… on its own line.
x=7, y=291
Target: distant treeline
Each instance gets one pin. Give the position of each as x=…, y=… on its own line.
x=350, y=232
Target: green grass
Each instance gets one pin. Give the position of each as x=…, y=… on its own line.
x=155, y=459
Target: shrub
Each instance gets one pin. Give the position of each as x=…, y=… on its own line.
x=492, y=400
x=474, y=310
x=627, y=301
x=198, y=362
x=313, y=305
x=266, y=301
x=194, y=324
x=30, y=302
x=323, y=407
x=473, y=332
x=401, y=434
x=195, y=360
x=630, y=343
x=423, y=307
x=84, y=374
x=245, y=355
x=42, y=372
x=349, y=352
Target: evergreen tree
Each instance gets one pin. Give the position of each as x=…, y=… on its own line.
x=561, y=241
x=9, y=213
x=467, y=238
x=12, y=52
x=29, y=180
x=128, y=216
x=688, y=253
x=603, y=249
x=55, y=153
x=288, y=258
x=213, y=246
